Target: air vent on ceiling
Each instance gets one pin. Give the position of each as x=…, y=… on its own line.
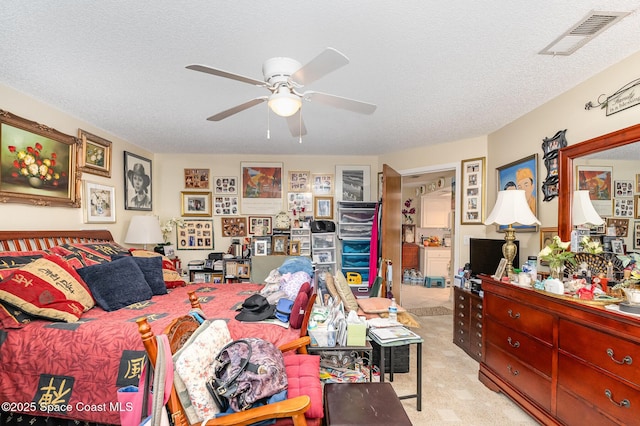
x=581, y=33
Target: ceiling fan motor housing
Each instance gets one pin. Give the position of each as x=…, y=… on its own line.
x=277, y=71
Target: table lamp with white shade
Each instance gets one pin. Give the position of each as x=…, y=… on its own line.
x=511, y=208
x=582, y=213
x=144, y=230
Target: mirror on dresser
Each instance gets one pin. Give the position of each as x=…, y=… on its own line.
x=619, y=146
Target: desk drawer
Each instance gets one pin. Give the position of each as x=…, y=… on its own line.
x=614, y=354
x=519, y=317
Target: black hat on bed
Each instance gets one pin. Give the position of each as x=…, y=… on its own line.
x=255, y=308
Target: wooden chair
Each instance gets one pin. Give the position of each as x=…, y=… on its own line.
x=178, y=332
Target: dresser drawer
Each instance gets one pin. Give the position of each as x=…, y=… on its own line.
x=475, y=343
x=461, y=335
x=528, y=350
x=619, y=356
x=526, y=380
x=610, y=395
x=575, y=411
x=519, y=317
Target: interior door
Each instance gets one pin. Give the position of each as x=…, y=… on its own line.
x=391, y=224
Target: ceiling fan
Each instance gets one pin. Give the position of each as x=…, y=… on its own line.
x=285, y=78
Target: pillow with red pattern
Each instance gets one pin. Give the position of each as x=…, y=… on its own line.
x=172, y=278
x=12, y=317
x=47, y=288
x=12, y=260
x=91, y=253
x=303, y=379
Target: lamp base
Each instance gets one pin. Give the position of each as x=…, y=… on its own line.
x=509, y=248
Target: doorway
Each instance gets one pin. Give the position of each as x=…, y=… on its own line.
x=426, y=187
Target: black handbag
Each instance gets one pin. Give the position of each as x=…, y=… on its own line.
x=321, y=226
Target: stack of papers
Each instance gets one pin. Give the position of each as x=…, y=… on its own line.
x=394, y=334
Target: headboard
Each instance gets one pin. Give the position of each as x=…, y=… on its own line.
x=42, y=240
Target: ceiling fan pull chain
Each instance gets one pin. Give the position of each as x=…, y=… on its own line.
x=268, y=123
x=300, y=121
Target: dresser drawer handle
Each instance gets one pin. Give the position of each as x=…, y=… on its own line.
x=479, y=325
x=479, y=306
x=512, y=315
x=623, y=403
x=626, y=360
x=512, y=344
x=461, y=315
x=461, y=306
x=512, y=371
x=479, y=335
x=479, y=316
x=461, y=297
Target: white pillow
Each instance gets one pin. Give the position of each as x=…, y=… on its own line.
x=194, y=366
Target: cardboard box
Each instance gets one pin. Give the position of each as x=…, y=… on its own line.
x=356, y=334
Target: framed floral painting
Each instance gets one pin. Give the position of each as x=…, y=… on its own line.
x=95, y=154
x=100, y=203
x=38, y=164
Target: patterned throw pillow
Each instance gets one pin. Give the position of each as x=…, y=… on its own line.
x=47, y=288
x=171, y=277
x=12, y=260
x=91, y=253
x=349, y=300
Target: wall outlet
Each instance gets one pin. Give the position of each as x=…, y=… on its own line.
x=466, y=239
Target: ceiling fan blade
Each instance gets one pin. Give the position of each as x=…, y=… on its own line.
x=238, y=108
x=296, y=125
x=327, y=61
x=226, y=74
x=340, y=102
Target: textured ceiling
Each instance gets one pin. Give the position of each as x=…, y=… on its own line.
x=438, y=71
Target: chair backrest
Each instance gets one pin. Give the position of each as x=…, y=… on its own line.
x=179, y=331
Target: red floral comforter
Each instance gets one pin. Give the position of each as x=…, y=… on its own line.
x=75, y=369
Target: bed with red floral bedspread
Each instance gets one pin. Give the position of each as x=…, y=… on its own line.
x=75, y=368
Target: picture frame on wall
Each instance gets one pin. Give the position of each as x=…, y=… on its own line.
x=472, y=193
x=234, y=226
x=223, y=185
x=521, y=174
x=95, y=154
x=636, y=235
x=22, y=180
x=623, y=188
x=260, y=225
x=322, y=183
x=196, y=203
x=621, y=226
x=353, y=183
x=99, y=203
x=623, y=207
x=226, y=205
x=598, y=181
x=546, y=238
x=261, y=187
x=196, y=178
x=299, y=181
x=195, y=234
x=137, y=189
x=550, y=148
x=323, y=208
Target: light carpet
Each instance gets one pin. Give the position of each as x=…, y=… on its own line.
x=451, y=391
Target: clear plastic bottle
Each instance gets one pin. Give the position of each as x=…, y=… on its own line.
x=393, y=310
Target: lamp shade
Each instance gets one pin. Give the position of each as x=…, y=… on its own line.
x=582, y=210
x=284, y=103
x=144, y=230
x=511, y=207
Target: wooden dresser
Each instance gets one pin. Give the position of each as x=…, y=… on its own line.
x=410, y=256
x=467, y=322
x=563, y=362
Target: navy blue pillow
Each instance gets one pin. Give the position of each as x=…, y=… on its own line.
x=151, y=268
x=116, y=284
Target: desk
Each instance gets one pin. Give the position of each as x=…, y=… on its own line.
x=391, y=346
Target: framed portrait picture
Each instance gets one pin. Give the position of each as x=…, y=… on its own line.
x=550, y=147
x=196, y=178
x=294, y=248
x=261, y=188
x=523, y=175
x=597, y=180
x=99, y=203
x=52, y=182
x=623, y=188
x=546, y=237
x=638, y=183
x=196, y=234
x=322, y=183
x=260, y=225
x=617, y=246
x=234, y=226
x=623, y=207
x=621, y=226
x=323, y=208
x=196, y=203
x=299, y=181
x=137, y=189
x=279, y=244
x=225, y=185
x=636, y=235
x=260, y=248
x=353, y=183
x=95, y=154
x=472, y=193
x=224, y=205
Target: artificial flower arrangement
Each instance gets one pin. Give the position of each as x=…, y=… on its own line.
x=590, y=246
x=557, y=254
x=631, y=263
x=30, y=163
x=408, y=211
x=168, y=226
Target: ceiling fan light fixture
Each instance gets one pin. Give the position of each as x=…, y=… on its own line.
x=284, y=103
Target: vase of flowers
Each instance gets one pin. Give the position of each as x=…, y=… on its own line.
x=408, y=211
x=557, y=254
x=32, y=164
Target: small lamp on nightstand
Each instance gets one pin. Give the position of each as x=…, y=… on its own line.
x=511, y=208
x=582, y=213
x=144, y=230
